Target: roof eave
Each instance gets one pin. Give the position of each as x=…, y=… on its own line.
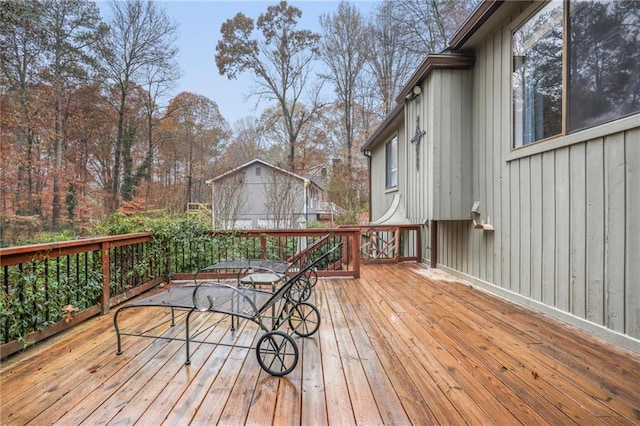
x=382, y=127
x=452, y=58
x=433, y=62
x=476, y=20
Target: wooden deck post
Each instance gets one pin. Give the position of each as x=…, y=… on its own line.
x=396, y=237
x=355, y=252
x=106, y=278
x=263, y=247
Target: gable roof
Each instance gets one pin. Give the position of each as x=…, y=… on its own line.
x=264, y=163
x=458, y=55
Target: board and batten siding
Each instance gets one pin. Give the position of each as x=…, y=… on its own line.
x=384, y=197
x=441, y=187
x=380, y=204
x=566, y=216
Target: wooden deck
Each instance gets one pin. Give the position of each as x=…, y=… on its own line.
x=401, y=345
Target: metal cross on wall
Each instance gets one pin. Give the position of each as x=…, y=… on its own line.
x=416, y=140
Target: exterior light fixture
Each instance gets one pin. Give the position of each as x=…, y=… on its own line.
x=415, y=92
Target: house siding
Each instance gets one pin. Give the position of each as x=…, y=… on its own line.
x=381, y=203
x=257, y=193
x=567, y=233
x=439, y=187
x=384, y=197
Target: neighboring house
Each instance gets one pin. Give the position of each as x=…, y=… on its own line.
x=519, y=152
x=260, y=195
x=326, y=210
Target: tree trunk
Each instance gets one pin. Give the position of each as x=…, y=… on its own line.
x=57, y=148
x=112, y=203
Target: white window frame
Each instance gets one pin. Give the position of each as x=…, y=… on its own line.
x=391, y=162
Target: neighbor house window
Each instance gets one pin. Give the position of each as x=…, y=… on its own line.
x=592, y=46
x=391, y=159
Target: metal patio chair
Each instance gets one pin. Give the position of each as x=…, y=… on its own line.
x=276, y=350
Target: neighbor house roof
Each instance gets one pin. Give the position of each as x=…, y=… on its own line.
x=264, y=163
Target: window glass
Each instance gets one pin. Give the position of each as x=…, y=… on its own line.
x=391, y=158
x=604, y=61
x=601, y=69
x=537, y=76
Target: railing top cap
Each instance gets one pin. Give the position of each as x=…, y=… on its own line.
x=44, y=247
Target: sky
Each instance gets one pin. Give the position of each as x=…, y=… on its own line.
x=199, y=25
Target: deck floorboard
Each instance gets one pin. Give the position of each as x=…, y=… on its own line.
x=400, y=345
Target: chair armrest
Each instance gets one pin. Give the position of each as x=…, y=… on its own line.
x=224, y=298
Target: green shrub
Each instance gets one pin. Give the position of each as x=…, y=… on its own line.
x=347, y=218
x=47, y=237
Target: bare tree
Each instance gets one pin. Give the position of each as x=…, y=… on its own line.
x=280, y=60
x=276, y=130
x=404, y=32
x=21, y=50
x=72, y=28
x=391, y=63
x=284, y=199
x=199, y=133
x=160, y=77
x=345, y=51
x=229, y=201
x=141, y=37
x=345, y=187
x=426, y=25
x=248, y=142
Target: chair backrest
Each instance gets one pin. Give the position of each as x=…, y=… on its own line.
x=294, y=260
x=290, y=281
x=278, y=266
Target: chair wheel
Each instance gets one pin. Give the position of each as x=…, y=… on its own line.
x=304, y=319
x=277, y=353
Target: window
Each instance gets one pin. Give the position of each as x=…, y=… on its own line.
x=258, y=171
x=602, y=47
x=604, y=61
x=537, y=76
x=391, y=162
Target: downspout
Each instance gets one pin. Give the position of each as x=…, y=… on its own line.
x=367, y=154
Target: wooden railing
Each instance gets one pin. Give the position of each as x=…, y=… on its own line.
x=46, y=288
x=186, y=259
x=389, y=243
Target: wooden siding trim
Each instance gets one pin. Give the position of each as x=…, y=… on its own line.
x=614, y=229
x=622, y=340
x=632, y=230
x=600, y=131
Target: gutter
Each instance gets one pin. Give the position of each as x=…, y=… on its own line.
x=476, y=20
